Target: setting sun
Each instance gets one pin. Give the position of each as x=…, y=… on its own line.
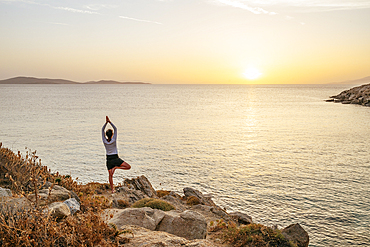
x=252, y=73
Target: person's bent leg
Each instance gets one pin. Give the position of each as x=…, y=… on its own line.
x=124, y=166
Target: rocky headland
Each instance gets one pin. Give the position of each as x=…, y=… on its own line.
x=357, y=95
x=138, y=214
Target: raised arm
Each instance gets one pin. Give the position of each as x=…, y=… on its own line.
x=103, y=132
x=114, y=137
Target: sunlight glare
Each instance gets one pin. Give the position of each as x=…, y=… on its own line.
x=252, y=73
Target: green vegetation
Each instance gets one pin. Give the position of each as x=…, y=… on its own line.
x=32, y=227
x=250, y=235
x=153, y=203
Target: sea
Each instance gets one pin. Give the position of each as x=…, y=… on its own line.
x=278, y=153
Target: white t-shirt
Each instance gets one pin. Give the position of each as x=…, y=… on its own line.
x=110, y=147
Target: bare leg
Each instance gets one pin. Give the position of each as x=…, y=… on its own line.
x=124, y=166
x=111, y=172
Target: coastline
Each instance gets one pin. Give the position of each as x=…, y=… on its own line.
x=200, y=213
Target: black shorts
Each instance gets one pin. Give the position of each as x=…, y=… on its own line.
x=113, y=160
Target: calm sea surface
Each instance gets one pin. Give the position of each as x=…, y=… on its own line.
x=276, y=152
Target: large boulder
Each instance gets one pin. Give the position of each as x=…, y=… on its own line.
x=296, y=234
x=145, y=217
x=188, y=224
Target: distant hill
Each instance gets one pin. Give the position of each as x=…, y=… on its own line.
x=33, y=80
x=357, y=81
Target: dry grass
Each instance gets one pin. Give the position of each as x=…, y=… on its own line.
x=26, y=175
x=162, y=193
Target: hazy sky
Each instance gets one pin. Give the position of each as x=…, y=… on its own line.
x=186, y=41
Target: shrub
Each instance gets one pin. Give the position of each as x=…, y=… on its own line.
x=250, y=235
x=153, y=203
x=26, y=175
x=192, y=200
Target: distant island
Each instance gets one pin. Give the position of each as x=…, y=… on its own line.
x=33, y=80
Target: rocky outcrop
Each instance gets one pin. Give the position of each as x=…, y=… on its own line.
x=358, y=95
x=193, y=212
x=187, y=224
x=296, y=234
x=142, y=184
x=205, y=200
x=241, y=218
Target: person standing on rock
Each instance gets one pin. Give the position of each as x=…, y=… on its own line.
x=110, y=142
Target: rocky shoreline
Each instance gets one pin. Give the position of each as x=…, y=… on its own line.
x=34, y=200
x=189, y=224
x=358, y=95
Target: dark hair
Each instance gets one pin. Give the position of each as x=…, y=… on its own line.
x=109, y=133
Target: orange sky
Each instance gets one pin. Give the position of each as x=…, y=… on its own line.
x=178, y=41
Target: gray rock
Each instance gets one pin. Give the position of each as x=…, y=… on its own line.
x=139, y=236
x=241, y=218
x=15, y=205
x=205, y=200
x=144, y=217
x=5, y=193
x=58, y=193
x=188, y=224
x=175, y=200
x=296, y=234
x=142, y=184
x=129, y=195
x=59, y=210
x=73, y=205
